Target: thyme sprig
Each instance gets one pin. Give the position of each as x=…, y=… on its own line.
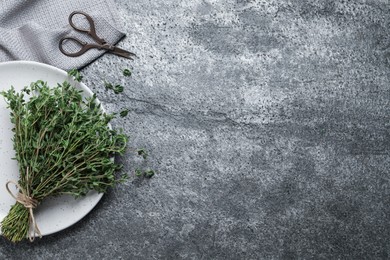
x=63, y=145
x=75, y=74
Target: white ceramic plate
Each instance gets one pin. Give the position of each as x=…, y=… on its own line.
x=53, y=214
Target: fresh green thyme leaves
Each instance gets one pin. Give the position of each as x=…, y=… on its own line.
x=142, y=152
x=63, y=145
x=126, y=73
x=124, y=112
x=108, y=85
x=117, y=88
x=149, y=174
x=145, y=173
x=138, y=172
x=75, y=74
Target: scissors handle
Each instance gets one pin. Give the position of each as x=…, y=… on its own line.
x=84, y=47
x=91, y=30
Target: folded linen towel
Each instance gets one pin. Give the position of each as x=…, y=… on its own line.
x=32, y=29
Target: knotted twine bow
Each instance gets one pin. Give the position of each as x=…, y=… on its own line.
x=28, y=203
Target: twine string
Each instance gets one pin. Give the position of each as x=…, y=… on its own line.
x=30, y=204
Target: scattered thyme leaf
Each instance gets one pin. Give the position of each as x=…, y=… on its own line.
x=126, y=73
x=124, y=113
x=108, y=85
x=142, y=152
x=138, y=172
x=118, y=89
x=149, y=174
x=123, y=178
x=75, y=74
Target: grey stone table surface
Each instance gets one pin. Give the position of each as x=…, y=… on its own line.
x=267, y=122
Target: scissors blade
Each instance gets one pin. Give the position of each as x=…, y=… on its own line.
x=123, y=53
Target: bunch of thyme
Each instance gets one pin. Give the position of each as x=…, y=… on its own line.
x=63, y=145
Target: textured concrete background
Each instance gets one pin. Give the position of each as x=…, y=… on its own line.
x=268, y=125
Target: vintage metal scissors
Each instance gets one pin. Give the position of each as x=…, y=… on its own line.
x=101, y=44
